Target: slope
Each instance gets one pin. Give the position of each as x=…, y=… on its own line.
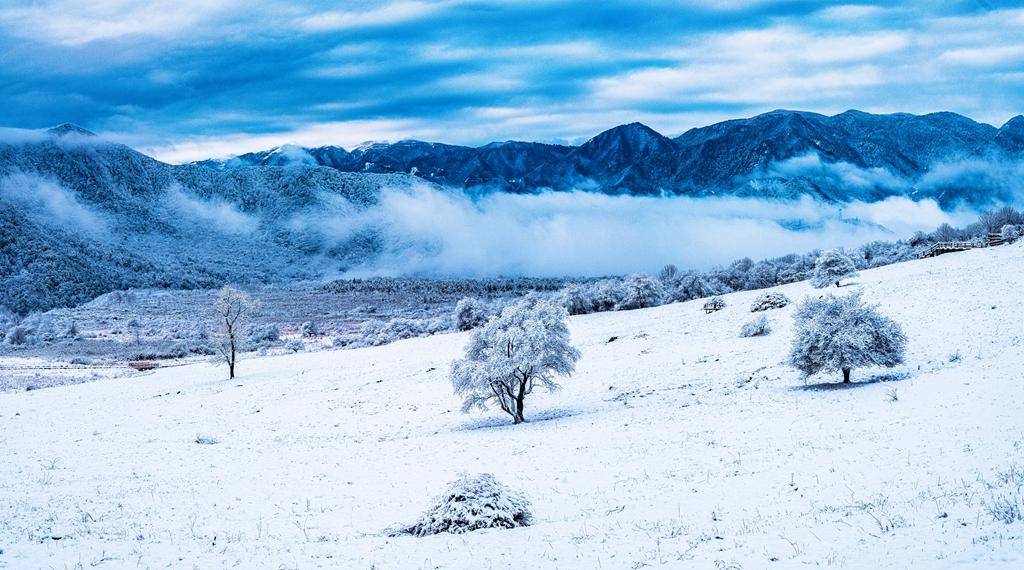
x=676, y=445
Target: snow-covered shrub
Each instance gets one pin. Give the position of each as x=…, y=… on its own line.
x=261, y=334
x=525, y=346
x=640, y=291
x=295, y=345
x=714, y=304
x=376, y=333
x=832, y=267
x=471, y=313
x=473, y=502
x=767, y=301
x=1010, y=233
x=1006, y=502
x=309, y=329
x=756, y=327
x=843, y=333
x=669, y=275
x=576, y=300
x=693, y=285
x=17, y=335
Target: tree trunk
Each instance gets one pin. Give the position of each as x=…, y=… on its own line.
x=517, y=417
x=846, y=375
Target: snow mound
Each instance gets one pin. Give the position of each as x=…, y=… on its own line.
x=473, y=502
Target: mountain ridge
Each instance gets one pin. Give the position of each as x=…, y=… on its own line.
x=715, y=159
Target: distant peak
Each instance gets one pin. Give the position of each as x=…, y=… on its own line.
x=1015, y=123
x=70, y=128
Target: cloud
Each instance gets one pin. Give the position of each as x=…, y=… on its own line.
x=230, y=78
x=833, y=174
x=579, y=233
x=219, y=216
x=48, y=203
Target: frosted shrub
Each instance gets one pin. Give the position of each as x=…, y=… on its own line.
x=843, y=333
x=832, y=267
x=17, y=335
x=525, y=346
x=640, y=291
x=471, y=313
x=1010, y=233
x=295, y=345
x=767, y=301
x=309, y=329
x=756, y=327
x=576, y=300
x=264, y=334
x=473, y=502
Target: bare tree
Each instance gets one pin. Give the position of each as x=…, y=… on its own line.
x=233, y=310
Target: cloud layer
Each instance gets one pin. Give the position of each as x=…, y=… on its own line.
x=443, y=233
x=192, y=79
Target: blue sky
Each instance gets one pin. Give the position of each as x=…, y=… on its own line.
x=198, y=78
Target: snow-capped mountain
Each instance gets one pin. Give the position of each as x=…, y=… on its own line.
x=731, y=157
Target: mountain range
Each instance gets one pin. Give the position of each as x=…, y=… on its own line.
x=731, y=157
x=80, y=215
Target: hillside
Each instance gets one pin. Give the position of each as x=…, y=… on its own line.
x=675, y=445
x=859, y=156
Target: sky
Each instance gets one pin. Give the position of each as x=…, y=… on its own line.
x=194, y=79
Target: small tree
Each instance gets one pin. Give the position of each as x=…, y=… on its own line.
x=233, y=311
x=471, y=313
x=832, y=267
x=526, y=345
x=843, y=333
x=640, y=291
x=769, y=300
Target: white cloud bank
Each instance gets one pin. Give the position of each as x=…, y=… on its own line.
x=433, y=232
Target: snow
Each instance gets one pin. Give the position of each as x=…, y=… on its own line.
x=678, y=445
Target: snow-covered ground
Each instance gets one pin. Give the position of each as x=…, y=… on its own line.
x=677, y=445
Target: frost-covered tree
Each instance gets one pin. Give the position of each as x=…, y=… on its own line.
x=832, y=267
x=526, y=346
x=640, y=291
x=1010, y=233
x=233, y=310
x=843, y=333
x=669, y=274
x=473, y=502
x=471, y=313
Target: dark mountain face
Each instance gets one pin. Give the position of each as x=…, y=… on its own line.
x=749, y=157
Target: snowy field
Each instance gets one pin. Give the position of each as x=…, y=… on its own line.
x=677, y=445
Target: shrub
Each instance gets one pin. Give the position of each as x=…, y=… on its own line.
x=756, y=327
x=295, y=345
x=832, y=267
x=843, y=333
x=264, y=333
x=770, y=300
x=1010, y=233
x=473, y=502
x=309, y=329
x=471, y=313
x=525, y=346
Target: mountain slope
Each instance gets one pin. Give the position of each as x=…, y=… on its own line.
x=679, y=445
x=80, y=216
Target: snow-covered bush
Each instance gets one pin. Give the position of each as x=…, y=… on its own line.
x=473, y=502
x=295, y=345
x=17, y=335
x=694, y=285
x=575, y=299
x=767, y=301
x=832, y=267
x=376, y=333
x=525, y=346
x=756, y=327
x=1010, y=233
x=471, y=313
x=714, y=304
x=843, y=333
x=640, y=291
x=266, y=333
x=309, y=329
